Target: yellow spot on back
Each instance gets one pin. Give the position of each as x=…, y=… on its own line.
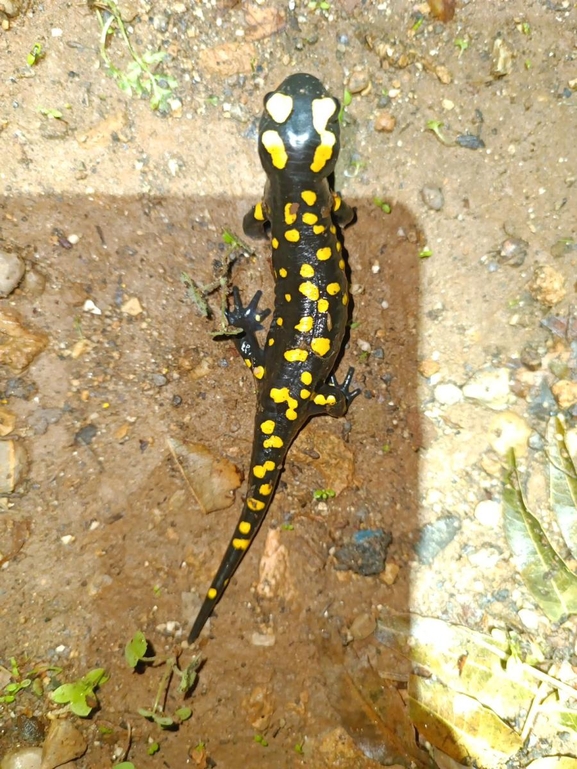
x=318, y=229
x=211, y=595
x=324, y=253
x=321, y=400
x=305, y=393
x=258, y=213
x=305, y=324
x=322, y=153
x=274, y=442
x=244, y=527
x=270, y=342
x=287, y=297
x=273, y=144
x=265, y=489
x=282, y=394
x=337, y=200
x=248, y=362
x=290, y=215
x=279, y=106
x=259, y=471
x=258, y=372
x=267, y=427
x=342, y=264
x=293, y=236
x=283, y=272
x=345, y=299
x=279, y=321
x=293, y=356
x=339, y=247
x=321, y=345
x=333, y=288
x=255, y=505
x=307, y=271
x=291, y=414
x=310, y=218
x=269, y=466
x=322, y=305
x=309, y=197
x=309, y=290
x=241, y=544
x=274, y=243
x=306, y=377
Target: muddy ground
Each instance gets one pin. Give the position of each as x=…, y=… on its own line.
x=108, y=201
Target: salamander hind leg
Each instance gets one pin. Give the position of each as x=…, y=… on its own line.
x=342, y=213
x=333, y=398
x=255, y=223
x=249, y=319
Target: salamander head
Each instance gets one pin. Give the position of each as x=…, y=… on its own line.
x=299, y=129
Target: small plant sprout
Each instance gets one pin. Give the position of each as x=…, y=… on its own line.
x=134, y=652
x=140, y=77
x=323, y=494
x=261, y=740
x=35, y=54
x=425, y=253
x=79, y=695
x=380, y=203
x=462, y=45
x=347, y=99
x=31, y=680
x=418, y=24
x=435, y=127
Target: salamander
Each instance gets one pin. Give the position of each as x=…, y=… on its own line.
x=298, y=144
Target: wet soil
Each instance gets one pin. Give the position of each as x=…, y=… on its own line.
x=104, y=537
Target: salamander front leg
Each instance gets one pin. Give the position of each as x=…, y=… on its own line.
x=255, y=223
x=342, y=213
x=249, y=320
x=333, y=398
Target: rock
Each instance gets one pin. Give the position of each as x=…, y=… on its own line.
x=86, y=435
x=385, y=122
x=11, y=271
x=34, y=283
x=488, y=512
x=359, y=80
x=433, y=197
x=547, y=286
x=132, y=307
x=13, y=465
x=23, y=758
x=365, y=553
x=508, y=430
x=565, y=393
x=529, y=618
x=501, y=58
x=10, y=8
x=490, y=387
x=447, y=394
x=513, y=252
x=63, y=743
x=362, y=627
x=428, y=368
x=485, y=557
x=7, y=422
x=435, y=537
x=531, y=357
x=18, y=345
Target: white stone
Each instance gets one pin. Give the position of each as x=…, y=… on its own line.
x=448, y=394
x=488, y=512
x=11, y=272
x=529, y=618
x=23, y=758
x=508, y=430
x=489, y=387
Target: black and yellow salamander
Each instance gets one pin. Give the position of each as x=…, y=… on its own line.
x=298, y=145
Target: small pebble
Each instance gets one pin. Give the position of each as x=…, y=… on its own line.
x=435, y=537
x=536, y=442
x=359, y=80
x=508, y=430
x=90, y=307
x=547, y=286
x=86, y=435
x=263, y=639
x=132, y=307
x=488, y=512
x=433, y=197
x=11, y=272
x=484, y=558
x=531, y=357
x=362, y=627
x=565, y=393
x=159, y=380
x=385, y=122
x=490, y=387
x=447, y=394
x=23, y=758
x=428, y=368
x=513, y=252
x=529, y=618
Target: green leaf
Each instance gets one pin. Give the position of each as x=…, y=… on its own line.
x=562, y=483
x=80, y=694
x=183, y=714
x=146, y=713
x=124, y=765
x=543, y=571
x=135, y=649
x=153, y=748
x=163, y=721
x=80, y=707
x=188, y=675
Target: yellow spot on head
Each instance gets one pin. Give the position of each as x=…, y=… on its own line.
x=342, y=264
x=255, y=505
x=291, y=414
x=293, y=236
x=345, y=299
x=244, y=527
x=274, y=442
x=279, y=106
x=321, y=346
x=305, y=324
x=305, y=394
x=211, y=595
x=333, y=288
x=287, y=297
x=283, y=272
x=290, y=216
x=337, y=200
x=309, y=197
x=307, y=271
x=294, y=356
x=309, y=290
x=240, y=544
x=323, y=109
x=267, y=427
x=274, y=243
x=258, y=213
x=248, y=362
x=306, y=377
x=318, y=229
x=279, y=321
x=273, y=144
x=322, y=305
x=324, y=253
x=309, y=218
x=258, y=372
x=265, y=489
